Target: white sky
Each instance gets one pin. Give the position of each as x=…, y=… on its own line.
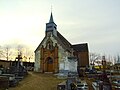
x=94, y=21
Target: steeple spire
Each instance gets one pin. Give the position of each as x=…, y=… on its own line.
x=51, y=27
x=51, y=18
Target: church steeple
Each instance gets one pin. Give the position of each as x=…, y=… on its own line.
x=51, y=18
x=51, y=27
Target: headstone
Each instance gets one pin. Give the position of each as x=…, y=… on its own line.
x=61, y=86
x=68, y=66
x=11, y=79
x=70, y=81
x=0, y=71
x=72, y=62
x=105, y=85
x=61, y=66
x=62, y=74
x=4, y=82
x=17, y=68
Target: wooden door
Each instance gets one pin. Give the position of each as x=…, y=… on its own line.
x=49, y=64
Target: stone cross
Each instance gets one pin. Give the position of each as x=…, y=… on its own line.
x=19, y=57
x=18, y=63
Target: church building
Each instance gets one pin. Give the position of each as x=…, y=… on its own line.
x=55, y=53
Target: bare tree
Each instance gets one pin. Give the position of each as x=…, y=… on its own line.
x=27, y=53
x=1, y=52
x=94, y=57
x=118, y=59
x=11, y=51
x=6, y=52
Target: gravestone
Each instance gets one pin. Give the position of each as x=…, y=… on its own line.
x=11, y=79
x=70, y=81
x=61, y=86
x=63, y=74
x=69, y=65
x=4, y=83
x=72, y=62
x=17, y=68
x=1, y=71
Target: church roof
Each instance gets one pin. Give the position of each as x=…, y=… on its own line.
x=64, y=43
x=80, y=47
x=51, y=18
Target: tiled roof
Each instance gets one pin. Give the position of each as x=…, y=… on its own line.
x=80, y=47
x=63, y=42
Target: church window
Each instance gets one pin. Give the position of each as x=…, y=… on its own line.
x=49, y=26
x=50, y=61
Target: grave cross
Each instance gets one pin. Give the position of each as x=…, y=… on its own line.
x=19, y=57
x=18, y=63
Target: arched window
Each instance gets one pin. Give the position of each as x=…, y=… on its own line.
x=49, y=60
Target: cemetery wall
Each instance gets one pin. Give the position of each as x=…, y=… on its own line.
x=4, y=63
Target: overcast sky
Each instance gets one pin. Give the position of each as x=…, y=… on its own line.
x=96, y=22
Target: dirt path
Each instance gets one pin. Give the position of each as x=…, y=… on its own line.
x=38, y=81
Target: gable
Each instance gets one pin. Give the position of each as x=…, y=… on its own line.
x=45, y=41
x=59, y=39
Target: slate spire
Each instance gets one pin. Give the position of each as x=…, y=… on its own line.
x=51, y=18
x=51, y=27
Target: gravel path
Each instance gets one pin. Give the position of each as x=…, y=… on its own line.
x=38, y=81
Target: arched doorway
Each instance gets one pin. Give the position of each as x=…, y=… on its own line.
x=49, y=64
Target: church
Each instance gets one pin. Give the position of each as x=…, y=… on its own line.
x=55, y=53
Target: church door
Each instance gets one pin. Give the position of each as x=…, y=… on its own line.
x=49, y=64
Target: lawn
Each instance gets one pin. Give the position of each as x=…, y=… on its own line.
x=38, y=81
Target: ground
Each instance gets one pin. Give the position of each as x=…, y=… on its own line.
x=38, y=81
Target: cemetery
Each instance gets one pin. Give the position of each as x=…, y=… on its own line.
x=70, y=77
x=91, y=79
x=11, y=76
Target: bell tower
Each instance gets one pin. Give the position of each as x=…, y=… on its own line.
x=51, y=27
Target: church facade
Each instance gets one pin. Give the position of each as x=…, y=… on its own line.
x=55, y=53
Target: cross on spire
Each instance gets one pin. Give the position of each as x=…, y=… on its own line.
x=51, y=8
